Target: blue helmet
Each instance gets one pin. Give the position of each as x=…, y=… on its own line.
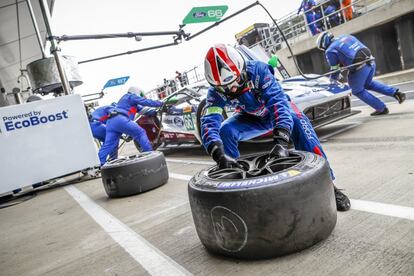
x=324, y=40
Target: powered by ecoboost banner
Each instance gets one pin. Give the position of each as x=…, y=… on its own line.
x=42, y=140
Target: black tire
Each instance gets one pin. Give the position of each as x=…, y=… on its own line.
x=264, y=216
x=134, y=174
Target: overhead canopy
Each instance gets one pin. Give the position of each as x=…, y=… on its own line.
x=9, y=39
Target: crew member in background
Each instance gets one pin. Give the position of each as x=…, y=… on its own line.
x=347, y=50
x=334, y=18
x=307, y=7
x=121, y=121
x=182, y=78
x=348, y=10
x=97, y=122
x=263, y=107
x=179, y=78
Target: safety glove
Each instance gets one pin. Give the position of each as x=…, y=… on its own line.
x=216, y=150
x=281, y=138
x=273, y=61
x=171, y=100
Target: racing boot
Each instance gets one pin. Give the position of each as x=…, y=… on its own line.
x=377, y=113
x=399, y=96
x=342, y=201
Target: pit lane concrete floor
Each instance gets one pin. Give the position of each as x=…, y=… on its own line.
x=373, y=159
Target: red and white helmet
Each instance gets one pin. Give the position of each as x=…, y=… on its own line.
x=224, y=67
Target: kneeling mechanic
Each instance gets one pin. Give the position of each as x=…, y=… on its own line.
x=263, y=106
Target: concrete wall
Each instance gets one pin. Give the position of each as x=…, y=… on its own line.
x=387, y=30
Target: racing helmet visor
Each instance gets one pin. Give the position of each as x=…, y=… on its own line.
x=234, y=88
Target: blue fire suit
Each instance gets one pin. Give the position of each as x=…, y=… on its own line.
x=260, y=110
x=97, y=122
x=307, y=6
x=346, y=50
x=121, y=121
x=334, y=19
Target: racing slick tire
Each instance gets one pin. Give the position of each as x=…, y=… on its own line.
x=264, y=213
x=134, y=174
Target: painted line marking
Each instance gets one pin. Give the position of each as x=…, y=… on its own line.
x=401, y=83
x=381, y=96
x=185, y=161
x=180, y=176
x=356, y=204
x=148, y=256
x=383, y=209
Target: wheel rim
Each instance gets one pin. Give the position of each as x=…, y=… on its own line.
x=127, y=159
x=254, y=166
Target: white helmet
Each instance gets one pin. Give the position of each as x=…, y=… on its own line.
x=137, y=91
x=324, y=40
x=224, y=68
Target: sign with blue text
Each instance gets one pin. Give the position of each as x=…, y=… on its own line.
x=116, y=82
x=42, y=140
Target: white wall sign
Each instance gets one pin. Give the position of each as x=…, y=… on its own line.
x=42, y=140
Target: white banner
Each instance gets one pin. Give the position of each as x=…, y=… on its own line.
x=42, y=140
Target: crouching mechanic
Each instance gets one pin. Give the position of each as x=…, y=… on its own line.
x=263, y=106
x=347, y=50
x=97, y=122
x=121, y=121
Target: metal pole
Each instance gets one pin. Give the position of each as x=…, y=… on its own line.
x=195, y=72
x=54, y=49
x=39, y=39
x=323, y=17
x=129, y=52
x=116, y=35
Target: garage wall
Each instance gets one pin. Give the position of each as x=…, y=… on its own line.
x=405, y=33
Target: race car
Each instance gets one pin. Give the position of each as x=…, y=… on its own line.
x=321, y=100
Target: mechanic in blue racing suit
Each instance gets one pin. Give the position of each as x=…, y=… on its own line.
x=121, y=121
x=97, y=122
x=263, y=107
x=307, y=7
x=347, y=50
x=334, y=19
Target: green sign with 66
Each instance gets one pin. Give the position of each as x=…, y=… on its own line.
x=205, y=14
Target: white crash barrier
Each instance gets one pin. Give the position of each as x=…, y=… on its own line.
x=42, y=140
